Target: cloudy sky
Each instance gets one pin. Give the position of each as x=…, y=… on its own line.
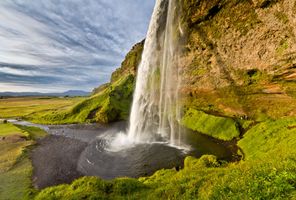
x=58, y=45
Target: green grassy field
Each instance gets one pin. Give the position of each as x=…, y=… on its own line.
x=27, y=107
x=9, y=129
x=15, y=165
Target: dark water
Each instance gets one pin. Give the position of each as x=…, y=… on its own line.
x=96, y=159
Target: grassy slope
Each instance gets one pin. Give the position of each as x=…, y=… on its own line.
x=15, y=166
x=10, y=129
x=110, y=104
x=265, y=173
x=276, y=137
x=16, y=183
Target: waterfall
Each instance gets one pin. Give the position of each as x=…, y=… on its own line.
x=155, y=110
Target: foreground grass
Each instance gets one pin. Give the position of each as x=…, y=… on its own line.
x=15, y=166
x=16, y=182
x=10, y=129
x=29, y=107
x=268, y=171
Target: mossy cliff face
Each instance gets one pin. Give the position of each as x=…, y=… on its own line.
x=215, y=126
x=239, y=60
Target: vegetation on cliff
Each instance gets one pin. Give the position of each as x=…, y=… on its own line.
x=215, y=126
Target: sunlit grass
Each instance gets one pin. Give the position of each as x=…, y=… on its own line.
x=218, y=127
x=109, y=105
x=16, y=183
x=29, y=106
x=10, y=129
x=15, y=165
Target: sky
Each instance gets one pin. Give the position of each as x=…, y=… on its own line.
x=60, y=45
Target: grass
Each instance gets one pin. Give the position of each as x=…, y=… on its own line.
x=268, y=171
x=108, y=105
x=284, y=45
x=15, y=170
x=111, y=104
x=15, y=165
x=10, y=129
x=278, y=137
x=28, y=106
x=282, y=17
x=34, y=133
x=10, y=152
x=217, y=127
x=16, y=183
x=94, y=188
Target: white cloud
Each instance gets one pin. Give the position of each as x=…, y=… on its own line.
x=20, y=72
x=73, y=42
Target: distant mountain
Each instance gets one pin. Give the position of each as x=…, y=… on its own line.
x=70, y=93
x=76, y=93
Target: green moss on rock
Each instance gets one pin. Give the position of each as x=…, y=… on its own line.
x=192, y=163
x=272, y=138
x=214, y=126
x=130, y=63
x=117, y=105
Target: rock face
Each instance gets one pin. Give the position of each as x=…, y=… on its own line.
x=238, y=62
x=241, y=57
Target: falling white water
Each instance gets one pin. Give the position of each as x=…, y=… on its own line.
x=155, y=111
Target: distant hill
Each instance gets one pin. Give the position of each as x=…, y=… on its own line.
x=70, y=93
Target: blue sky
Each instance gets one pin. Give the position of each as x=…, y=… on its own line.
x=58, y=45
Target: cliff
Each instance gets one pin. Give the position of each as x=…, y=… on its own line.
x=239, y=60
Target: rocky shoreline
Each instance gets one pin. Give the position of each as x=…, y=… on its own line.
x=55, y=161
